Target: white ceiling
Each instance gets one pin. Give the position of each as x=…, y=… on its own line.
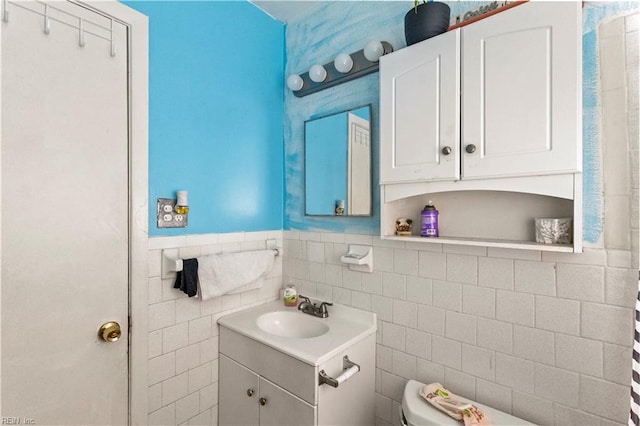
x=288, y=11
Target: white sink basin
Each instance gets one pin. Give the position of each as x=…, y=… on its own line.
x=291, y=324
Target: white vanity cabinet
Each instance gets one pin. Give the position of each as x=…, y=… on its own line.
x=485, y=120
x=497, y=98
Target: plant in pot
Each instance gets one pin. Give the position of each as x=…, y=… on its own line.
x=425, y=20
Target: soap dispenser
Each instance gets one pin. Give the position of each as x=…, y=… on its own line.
x=290, y=295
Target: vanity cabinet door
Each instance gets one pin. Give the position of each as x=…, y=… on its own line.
x=239, y=394
x=521, y=91
x=279, y=407
x=420, y=111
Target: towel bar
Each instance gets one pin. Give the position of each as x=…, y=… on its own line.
x=171, y=261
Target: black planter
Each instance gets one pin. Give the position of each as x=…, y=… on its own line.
x=431, y=19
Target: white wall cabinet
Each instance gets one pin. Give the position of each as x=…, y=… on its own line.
x=497, y=98
x=493, y=106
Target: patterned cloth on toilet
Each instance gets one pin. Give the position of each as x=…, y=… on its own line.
x=447, y=402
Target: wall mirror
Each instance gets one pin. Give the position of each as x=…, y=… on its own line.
x=338, y=164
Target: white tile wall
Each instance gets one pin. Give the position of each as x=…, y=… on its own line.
x=515, y=332
x=183, y=332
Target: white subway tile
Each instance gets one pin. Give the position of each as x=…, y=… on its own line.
x=620, y=258
x=175, y=337
x=383, y=307
x=517, y=308
x=332, y=237
x=533, y=344
x=202, y=419
x=361, y=300
x=164, y=416
x=231, y=237
x=187, y=407
x=607, y=323
x=361, y=239
x=209, y=396
x=291, y=235
x=189, y=252
x=621, y=287
x=170, y=293
x=419, y=290
x=175, y=388
x=462, y=268
x=514, y=254
x=372, y=283
x=159, y=243
x=589, y=256
x=393, y=336
x=155, y=397
x=404, y=365
x=495, y=272
x=406, y=262
x=199, y=377
x=315, y=252
x=469, y=250
x=478, y=362
x=433, y=265
x=493, y=395
x=515, y=373
x=392, y=386
x=460, y=383
x=447, y=295
x=617, y=367
x=578, y=354
x=162, y=315
x=155, y=290
x=155, y=343
x=316, y=272
x=209, y=350
x=429, y=372
x=394, y=285
x=384, y=358
x=155, y=263
x=570, y=416
x=341, y=295
x=446, y=352
x=325, y=292
x=555, y=314
x=352, y=279
x=187, y=358
x=333, y=275
x=581, y=282
x=557, y=385
x=461, y=327
x=201, y=240
x=383, y=408
x=405, y=313
x=378, y=242
x=383, y=259
x=535, y=277
x=495, y=335
x=214, y=370
x=479, y=301
x=418, y=343
x=605, y=399
x=231, y=301
x=431, y=319
x=301, y=269
x=532, y=408
x=187, y=309
x=199, y=329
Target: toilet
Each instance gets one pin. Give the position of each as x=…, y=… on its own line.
x=415, y=411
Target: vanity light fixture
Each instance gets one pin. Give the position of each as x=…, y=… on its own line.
x=344, y=68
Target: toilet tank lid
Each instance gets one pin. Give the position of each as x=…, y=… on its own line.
x=419, y=412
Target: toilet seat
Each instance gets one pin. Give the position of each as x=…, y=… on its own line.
x=419, y=412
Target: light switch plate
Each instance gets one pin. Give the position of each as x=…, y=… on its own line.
x=167, y=216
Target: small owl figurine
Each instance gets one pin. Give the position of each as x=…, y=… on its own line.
x=403, y=226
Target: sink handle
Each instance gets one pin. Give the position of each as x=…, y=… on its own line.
x=304, y=299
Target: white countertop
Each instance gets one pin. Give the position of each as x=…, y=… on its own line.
x=346, y=326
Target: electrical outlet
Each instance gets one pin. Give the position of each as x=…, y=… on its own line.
x=167, y=216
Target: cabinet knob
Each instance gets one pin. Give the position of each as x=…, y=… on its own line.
x=263, y=401
x=446, y=150
x=249, y=392
x=471, y=148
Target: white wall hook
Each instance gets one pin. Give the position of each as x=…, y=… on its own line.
x=359, y=258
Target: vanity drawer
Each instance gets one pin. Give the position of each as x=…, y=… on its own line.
x=295, y=376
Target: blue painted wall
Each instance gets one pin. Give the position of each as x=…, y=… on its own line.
x=216, y=87
x=347, y=27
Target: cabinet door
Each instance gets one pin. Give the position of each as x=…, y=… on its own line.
x=282, y=408
x=420, y=111
x=521, y=80
x=239, y=394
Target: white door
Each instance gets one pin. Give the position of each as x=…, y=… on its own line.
x=420, y=111
x=521, y=91
x=64, y=214
x=358, y=166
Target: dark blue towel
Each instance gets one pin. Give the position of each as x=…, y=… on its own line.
x=187, y=279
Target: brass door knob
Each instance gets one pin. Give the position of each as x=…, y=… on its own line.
x=110, y=331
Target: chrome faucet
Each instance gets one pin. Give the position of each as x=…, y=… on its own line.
x=310, y=308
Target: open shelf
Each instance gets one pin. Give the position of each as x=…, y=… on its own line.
x=481, y=242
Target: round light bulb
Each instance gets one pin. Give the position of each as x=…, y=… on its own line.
x=295, y=82
x=343, y=63
x=373, y=50
x=317, y=73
